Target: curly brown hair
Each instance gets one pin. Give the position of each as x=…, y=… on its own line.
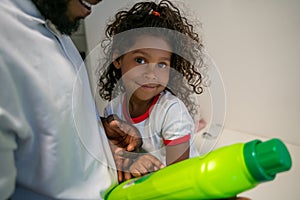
x=187, y=49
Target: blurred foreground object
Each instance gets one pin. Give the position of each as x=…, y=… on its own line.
x=222, y=173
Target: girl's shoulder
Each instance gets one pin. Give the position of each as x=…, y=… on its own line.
x=167, y=97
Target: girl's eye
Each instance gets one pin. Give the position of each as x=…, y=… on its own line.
x=140, y=60
x=161, y=65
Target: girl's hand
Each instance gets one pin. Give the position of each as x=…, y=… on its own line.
x=137, y=164
x=145, y=164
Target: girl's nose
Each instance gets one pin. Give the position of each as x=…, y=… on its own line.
x=149, y=72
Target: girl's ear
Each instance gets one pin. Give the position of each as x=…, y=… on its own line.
x=116, y=60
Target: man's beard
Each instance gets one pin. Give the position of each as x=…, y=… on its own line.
x=55, y=11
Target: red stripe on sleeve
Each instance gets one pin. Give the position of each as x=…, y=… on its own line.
x=178, y=140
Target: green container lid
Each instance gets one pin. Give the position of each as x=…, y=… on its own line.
x=265, y=159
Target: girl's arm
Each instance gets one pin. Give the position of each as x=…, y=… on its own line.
x=176, y=153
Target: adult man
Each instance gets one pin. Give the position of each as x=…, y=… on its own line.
x=51, y=144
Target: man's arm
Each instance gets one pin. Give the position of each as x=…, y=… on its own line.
x=8, y=123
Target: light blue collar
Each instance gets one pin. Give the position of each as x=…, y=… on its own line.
x=28, y=7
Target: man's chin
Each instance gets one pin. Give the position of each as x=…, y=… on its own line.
x=55, y=11
x=69, y=27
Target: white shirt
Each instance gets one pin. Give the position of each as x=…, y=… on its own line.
x=167, y=122
x=51, y=145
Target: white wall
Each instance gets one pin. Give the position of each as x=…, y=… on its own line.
x=256, y=46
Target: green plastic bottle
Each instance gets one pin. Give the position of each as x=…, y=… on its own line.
x=222, y=173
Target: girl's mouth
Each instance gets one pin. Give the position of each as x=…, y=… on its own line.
x=149, y=86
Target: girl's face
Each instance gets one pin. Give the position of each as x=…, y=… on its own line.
x=145, y=67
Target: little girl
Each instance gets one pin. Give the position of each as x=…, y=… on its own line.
x=152, y=71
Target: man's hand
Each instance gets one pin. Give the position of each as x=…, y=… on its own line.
x=122, y=163
x=121, y=133
x=122, y=136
